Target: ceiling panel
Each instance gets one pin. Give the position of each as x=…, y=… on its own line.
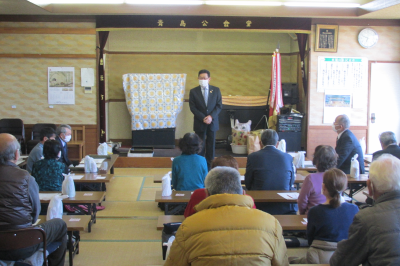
x=24, y=7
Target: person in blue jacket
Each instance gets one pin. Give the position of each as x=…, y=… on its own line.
x=189, y=170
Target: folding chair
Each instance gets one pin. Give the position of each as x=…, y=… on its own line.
x=14, y=127
x=23, y=238
x=35, y=135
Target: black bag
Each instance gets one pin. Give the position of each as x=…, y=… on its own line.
x=168, y=231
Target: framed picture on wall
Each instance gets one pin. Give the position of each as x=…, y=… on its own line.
x=326, y=38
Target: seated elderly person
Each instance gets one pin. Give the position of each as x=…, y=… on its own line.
x=389, y=145
x=49, y=171
x=226, y=230
x=20, y=205
x=189, y=169
x=325, y=158
x=200, y=194
x=36, y=153
x=271, y=169
x=374, y=235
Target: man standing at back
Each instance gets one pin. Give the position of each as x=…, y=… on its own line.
x=270, y=169
x=205, y=102
x=20, y=205
x=347, y=145
x=64, y=136
x=389, y=145
x=36, y=153
x=226, y=230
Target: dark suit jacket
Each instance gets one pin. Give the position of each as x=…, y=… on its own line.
x=270, y=169
x=200, y=110
x=64, y=154
x=346, y=147
x=391, y=149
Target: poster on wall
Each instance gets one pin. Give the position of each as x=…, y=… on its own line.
x=342, y=73
x=336, y=104
x=61, y=85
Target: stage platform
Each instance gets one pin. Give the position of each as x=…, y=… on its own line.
x=162, y=158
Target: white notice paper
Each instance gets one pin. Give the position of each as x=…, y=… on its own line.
x=336, y=103
x=61, y=85
x=47, y=196
x=348, y=73
x=289, y=196
x=100, y=177
x=83, y=165
x=74, y=219
x=308, y=164
x=87, y=77
x=76, y=177
x=97, y=161
x=179, y=195
x=88, y=194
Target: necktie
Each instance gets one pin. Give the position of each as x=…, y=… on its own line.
x=205, y=95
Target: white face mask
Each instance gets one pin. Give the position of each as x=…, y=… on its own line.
x=67, y=138
x=203, y=82
x=334, y=127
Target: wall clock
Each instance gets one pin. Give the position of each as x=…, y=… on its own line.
x=367, y=38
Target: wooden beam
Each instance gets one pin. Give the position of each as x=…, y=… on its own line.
x=157, y=162
x=83, y=31
x=47, y=18
x=197, y=53
x=68, y=56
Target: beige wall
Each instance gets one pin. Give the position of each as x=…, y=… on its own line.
x=241, y=72
x=24, y=80
x=387, y=49
x=196, y=40
x=247, y=75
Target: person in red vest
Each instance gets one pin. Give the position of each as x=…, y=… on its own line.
x=200, y=194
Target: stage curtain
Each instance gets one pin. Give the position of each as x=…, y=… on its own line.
x=103, y=36
x=302, y=41
x=245, y=100
x=154, y=100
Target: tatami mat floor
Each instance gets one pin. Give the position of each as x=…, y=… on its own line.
x=125, y=232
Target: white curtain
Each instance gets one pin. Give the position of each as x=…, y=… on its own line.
x=154, y=100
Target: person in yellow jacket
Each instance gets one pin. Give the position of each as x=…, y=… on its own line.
x=226, y=230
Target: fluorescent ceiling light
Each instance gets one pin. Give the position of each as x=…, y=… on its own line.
x=161, y=2
x=198, y=2
x=48, y=2
x=321, y=4
x=243, y=3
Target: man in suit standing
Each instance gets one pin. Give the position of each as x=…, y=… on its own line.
x=205, y=102
x=389, y=145
x=347, y=145
x=270, y=169
x=64, y=136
